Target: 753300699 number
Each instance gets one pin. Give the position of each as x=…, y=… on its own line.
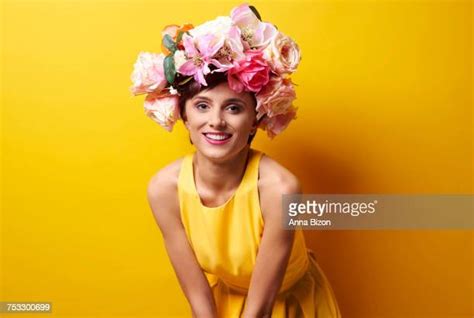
x=31, y=307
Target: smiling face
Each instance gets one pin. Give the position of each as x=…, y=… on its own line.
x=220, y=121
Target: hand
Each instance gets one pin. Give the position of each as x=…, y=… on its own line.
x=256, y=315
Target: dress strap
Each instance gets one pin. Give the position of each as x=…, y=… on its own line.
x=251, y=175
x=185, y=179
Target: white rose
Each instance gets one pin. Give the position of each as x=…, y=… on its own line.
x=179, y=59
x=283, y=53
x=218, y=27
x=148, y=74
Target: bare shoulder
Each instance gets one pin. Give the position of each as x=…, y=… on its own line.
x=274, y=181
x=166, y=178
x=276, y=177
x=162, y=191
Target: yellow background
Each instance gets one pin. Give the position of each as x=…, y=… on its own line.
x=385, y=106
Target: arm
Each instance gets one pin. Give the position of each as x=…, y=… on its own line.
x=164, y=203
x=273, y=255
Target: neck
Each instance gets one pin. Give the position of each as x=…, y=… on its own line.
x=220, y=176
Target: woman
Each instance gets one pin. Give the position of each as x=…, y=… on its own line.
x=219, y=208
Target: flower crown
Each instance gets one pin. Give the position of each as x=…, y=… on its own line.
x=254, y=54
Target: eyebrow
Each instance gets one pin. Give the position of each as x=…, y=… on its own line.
x=233, y=100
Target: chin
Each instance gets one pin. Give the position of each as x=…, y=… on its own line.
x=216, y=153
x=219, y=152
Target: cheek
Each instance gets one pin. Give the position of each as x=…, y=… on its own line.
x=194, y=120
x=243, y=124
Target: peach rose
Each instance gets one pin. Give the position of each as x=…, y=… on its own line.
x=163, y=109
x=283, y=53
x=276, y=97
x=275, y=125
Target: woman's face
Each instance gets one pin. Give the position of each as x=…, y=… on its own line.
x=219, y=121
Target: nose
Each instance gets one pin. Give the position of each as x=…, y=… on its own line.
x=216, y=119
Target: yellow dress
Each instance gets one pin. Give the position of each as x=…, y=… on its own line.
x=225, y=240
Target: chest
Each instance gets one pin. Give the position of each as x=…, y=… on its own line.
x=215, y=199
x=226, y=239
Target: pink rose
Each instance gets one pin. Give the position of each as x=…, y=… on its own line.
x=163, y=109
x=275, y=125
x=148, y=74
x=250, y=73
x=276, y=97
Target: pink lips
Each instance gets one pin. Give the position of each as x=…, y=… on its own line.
x=218, y=142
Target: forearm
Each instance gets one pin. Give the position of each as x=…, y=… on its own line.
x=203, y=312
x=202, y=305
x=163, y=200
x=266, y=283
x=256, y=307
x=192, y=280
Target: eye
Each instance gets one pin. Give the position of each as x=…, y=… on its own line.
x=201, y=106
x=234, y=108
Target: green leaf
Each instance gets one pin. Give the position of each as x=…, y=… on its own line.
x=254, y=10
x=180, y=35
x=169, y=43
x=170, y=70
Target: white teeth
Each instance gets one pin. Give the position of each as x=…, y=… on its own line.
x=217, y=137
